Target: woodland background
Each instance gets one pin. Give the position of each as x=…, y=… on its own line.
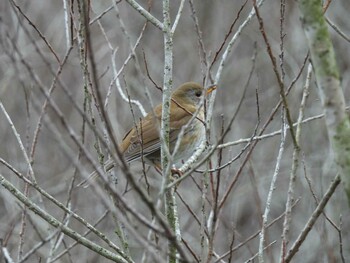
x=247, y=77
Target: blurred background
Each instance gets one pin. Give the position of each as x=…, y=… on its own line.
x=113, y=35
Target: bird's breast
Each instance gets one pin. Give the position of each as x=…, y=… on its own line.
x=193, y=136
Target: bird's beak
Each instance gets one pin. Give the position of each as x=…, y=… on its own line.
x=211, y=88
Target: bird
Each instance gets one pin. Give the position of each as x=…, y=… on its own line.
x=142, y=142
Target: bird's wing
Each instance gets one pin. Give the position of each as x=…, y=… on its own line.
x=147, y=132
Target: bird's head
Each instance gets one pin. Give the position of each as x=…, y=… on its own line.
x=191, y=93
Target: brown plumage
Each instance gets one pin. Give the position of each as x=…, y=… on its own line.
x=144, y=139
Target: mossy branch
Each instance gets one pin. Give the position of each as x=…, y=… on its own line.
x=327, y=77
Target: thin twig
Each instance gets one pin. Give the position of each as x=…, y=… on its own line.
x=312, y=220
x=37, y=30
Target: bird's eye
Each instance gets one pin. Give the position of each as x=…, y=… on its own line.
x=198, y=93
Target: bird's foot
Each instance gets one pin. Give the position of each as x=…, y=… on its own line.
x=175, y=171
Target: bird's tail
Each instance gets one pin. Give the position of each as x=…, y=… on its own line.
x=109, y=164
